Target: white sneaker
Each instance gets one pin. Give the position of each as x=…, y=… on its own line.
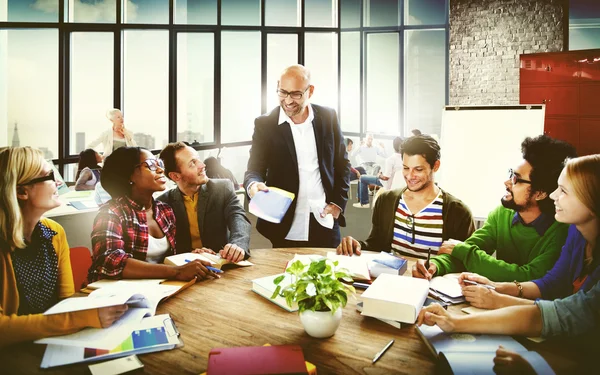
x=371, y=192
x=359, y=205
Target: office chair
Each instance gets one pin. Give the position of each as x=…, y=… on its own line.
x=81, y=260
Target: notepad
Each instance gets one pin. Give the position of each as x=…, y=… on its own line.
x=271, y=205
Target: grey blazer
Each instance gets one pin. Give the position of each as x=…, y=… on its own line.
x=221, y=218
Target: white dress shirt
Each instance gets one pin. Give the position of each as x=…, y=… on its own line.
x=311, y=187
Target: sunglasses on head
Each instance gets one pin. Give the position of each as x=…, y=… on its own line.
x=49, y=177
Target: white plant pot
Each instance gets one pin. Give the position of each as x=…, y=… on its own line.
x=321, y=324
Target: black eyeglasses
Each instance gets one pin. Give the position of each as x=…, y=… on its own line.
x=410, y=221
x=514, y=179
x=153, y=164
x=294, y=94
x=49, y=177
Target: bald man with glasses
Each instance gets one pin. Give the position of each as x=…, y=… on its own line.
x=299, y=147
x=522, y=231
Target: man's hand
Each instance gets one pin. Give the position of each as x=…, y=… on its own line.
x=203, y=250
x=448, y=246
x=419, y=270
x=348, y=246
x=109, y=315
x=232, y=253
x=195, y=269
x=509, y=362
x=331, y=209
x=259, y=186
x=436, y=314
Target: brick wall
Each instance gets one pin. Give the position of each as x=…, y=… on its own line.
x=486, y=39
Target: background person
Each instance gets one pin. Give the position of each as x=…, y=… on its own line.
x=116, y=137
x=35, y=268
x=88, y=170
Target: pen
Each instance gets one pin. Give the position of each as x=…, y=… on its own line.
x=378, y=355
x=361, y=285
x=215, y=270
x=476, y=283
x=428, y=257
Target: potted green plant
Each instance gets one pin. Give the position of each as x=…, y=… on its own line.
x=319, y=293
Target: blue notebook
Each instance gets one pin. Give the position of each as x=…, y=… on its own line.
x=271, y=205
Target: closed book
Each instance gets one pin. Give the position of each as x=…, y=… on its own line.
x=264, y=286
x=395, y=297
x=393, y=323
x=246, y=360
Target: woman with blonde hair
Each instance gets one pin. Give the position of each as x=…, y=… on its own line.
x=116, y=137
x=575, y=278
x=35, y=269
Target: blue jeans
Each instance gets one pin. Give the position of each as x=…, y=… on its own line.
x=363, y=187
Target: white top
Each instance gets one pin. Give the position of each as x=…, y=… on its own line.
x=311, y=187
x=368, y=154
x=106, y=138
x=157, y=248
x=393, y=166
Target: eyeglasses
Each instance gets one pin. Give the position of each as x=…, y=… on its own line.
x=153, y=164
x=410, y=221
x=294, y=94
x=514, y=179
x=49, y=177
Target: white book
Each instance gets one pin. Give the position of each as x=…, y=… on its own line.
x=264, y=286
x=395, y=297
x=356, y=265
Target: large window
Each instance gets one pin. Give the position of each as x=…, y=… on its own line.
x=92, y=87
x=29, y=82
x=584, y=24
x=201, y=71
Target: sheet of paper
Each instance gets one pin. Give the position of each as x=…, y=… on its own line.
x=116, y=366
x=316, y=207
x=102, y=338
x=107, y=282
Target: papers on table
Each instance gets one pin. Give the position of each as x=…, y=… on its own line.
x=150, y=335
x=271, y=205
x=447, y=289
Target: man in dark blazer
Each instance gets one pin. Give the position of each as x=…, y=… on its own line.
x=299, y=147
x=205, y=209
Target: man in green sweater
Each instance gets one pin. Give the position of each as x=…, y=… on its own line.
x=523, y=233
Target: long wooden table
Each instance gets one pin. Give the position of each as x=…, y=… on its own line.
x=226, y=313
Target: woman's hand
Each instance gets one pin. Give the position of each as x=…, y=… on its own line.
x=109, y=315
x=436, y=314
x=195, y=269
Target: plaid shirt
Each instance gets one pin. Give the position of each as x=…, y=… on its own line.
x=120, y=232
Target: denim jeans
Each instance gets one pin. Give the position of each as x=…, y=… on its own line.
x=363, y=187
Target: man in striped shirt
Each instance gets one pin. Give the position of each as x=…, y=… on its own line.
x=415, y=220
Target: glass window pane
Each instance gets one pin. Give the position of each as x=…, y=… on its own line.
x=350, y=13
x=92, y=77
x=146, y=86
x=382, y=83
x=199, y=12
x=92, y=11
x=195, y=87
x=29, y=89
x=425, y=12
x=282, y=13
x=240, y=85
x=350, y=113
x=320, y=56
x=282, y=51
x=146, y=11
x=381, y=13
x=240, y=12
x=28, y=11
x=584, y=38
x=320, y=13
x=425, y=79
x=236, y=160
